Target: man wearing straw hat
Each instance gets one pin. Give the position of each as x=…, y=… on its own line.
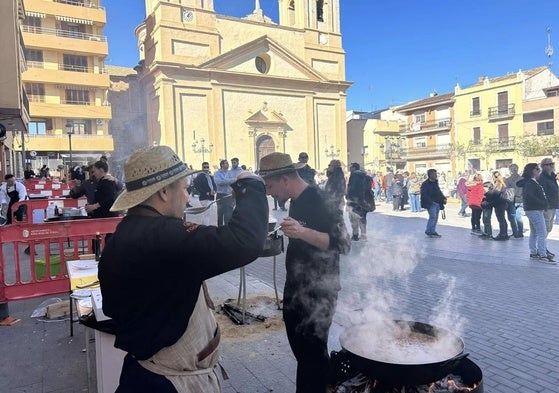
x=317, y=236
x=153, y=268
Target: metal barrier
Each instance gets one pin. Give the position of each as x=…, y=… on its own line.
x=42, y=270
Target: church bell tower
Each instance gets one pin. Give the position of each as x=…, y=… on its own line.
x=321, y=15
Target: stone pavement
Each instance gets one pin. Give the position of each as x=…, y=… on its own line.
x=500, y=302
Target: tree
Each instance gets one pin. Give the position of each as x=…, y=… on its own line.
x=458, y=150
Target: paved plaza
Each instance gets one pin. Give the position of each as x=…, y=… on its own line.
x=490, y=293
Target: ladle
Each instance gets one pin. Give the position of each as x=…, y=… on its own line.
x=202, y=209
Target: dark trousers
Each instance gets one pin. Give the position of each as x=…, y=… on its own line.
x=486, y=214
x=500, y=209
x=224, y=209
x=396, y=200
x=136, y=379
x=511, y=215
x=307, y=321
x=476, y=217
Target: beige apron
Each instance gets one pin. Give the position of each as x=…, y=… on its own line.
x=190, y=363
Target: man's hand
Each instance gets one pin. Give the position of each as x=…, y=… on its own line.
x=292, y=228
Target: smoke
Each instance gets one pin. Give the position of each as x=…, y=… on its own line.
x=378, y=286
x=378, y=275
x=445, y=313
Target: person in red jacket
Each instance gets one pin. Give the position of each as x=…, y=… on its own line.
x=474, y=196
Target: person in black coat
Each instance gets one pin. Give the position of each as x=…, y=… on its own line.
x=548, y=181
x=168, y=326
x=432, y=200
x=535, y=202
x=205, y=184
x=335, y=187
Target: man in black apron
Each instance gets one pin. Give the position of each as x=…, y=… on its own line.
x=12, y=192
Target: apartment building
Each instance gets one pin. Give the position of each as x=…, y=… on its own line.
x=14, y=107
x=66, y=82
x=427, y=133
x=490, y=122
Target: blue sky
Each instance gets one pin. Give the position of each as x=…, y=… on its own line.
x=399, y=51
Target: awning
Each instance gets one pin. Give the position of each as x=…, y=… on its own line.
x=73, y=20
x=34, y=14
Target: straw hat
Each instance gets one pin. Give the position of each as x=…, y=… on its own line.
x=146, y=172
x=277, y=164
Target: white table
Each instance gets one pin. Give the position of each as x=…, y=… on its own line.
x=108, y=359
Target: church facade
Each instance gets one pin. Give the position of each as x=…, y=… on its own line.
x=222, y=87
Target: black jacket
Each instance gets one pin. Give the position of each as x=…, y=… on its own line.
x=307, y=174
x=551, y=189
x=153, y=266
x=431, y=192
x=532, y=194
x=203, y=188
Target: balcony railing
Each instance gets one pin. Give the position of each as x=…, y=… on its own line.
x=64, y=33
x=503, y=143
x=498, y=112
x=437, y=150
x=88, y=4
x=432, y=125
x=75, y=102
x=475, y=113
x=36, y=98
x=64, y=67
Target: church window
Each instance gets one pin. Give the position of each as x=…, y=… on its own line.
x=261, y=64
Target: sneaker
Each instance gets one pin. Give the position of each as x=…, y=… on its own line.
x=355, y=238
x=547, y=259
x=435, y=234
x=549, y=253
x=534, y=256
x=518, y=236
x=485, y=236
x=501, y=237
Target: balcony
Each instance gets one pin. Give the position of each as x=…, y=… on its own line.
x=502, y=144
x=420, y=152
x=39, y=72
x=88, y=4
x=475, y=113
x=501, y=112
x=70, y=110
x=86, y=12
x=80, y=142
x=426, y=127
x=64, y=40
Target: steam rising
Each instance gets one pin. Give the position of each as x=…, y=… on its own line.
x=377, y=287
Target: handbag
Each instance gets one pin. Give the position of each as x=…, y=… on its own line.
x=507, y=195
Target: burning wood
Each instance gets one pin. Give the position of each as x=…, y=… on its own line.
x=362, y=384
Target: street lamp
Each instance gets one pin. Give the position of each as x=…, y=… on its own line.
x=332, y=152
x=70, y=132
x=202, y=148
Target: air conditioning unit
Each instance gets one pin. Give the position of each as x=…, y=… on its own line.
x=100, y=122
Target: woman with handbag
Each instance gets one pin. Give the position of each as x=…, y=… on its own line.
x=535, y=202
